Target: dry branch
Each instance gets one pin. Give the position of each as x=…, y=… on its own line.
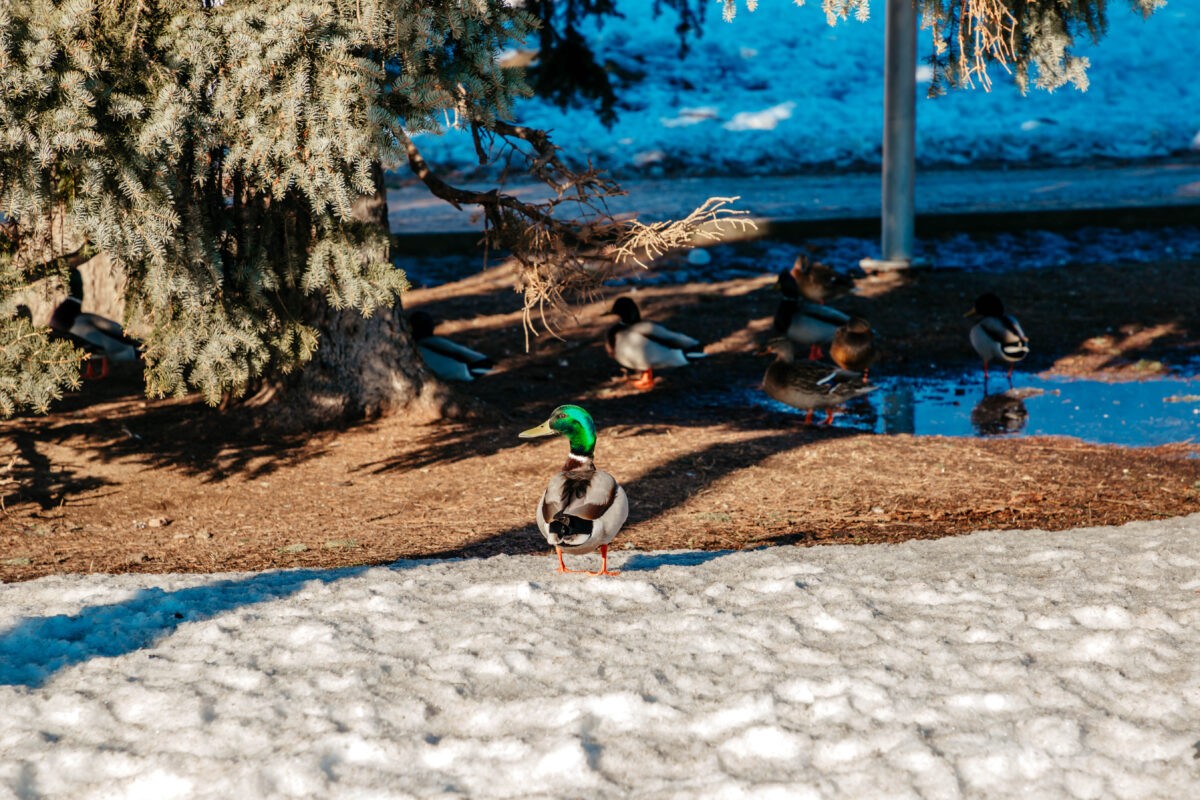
x=564, y=257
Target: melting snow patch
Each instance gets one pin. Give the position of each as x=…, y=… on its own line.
x=764, y=120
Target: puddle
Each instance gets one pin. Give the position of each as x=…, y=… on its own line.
x=1132, y=414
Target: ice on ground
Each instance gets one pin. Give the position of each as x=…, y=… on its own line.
x=995, y=664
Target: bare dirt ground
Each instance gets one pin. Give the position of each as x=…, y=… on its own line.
x=113, y=483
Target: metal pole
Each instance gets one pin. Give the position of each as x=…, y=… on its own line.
x=899, y=136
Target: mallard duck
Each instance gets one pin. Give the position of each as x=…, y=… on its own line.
x=997, y=336
x=643, y=345
x=101, y=334
x=807, y=385
x=818, y=282
x=583, y=508
x=853, y=348
x=448, y=359
x=805, y=323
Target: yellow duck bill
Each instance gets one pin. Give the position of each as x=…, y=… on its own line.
x=541, y=430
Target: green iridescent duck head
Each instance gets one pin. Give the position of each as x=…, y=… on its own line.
x=572, y=422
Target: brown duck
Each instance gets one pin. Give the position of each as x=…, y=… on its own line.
x=853, y=347
x=807, y=385
x=819, y=283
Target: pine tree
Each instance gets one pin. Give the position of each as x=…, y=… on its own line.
x=227, y=157
x=567, y=70
x=220, y=155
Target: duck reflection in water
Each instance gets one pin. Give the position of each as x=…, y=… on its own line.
x=999, y=414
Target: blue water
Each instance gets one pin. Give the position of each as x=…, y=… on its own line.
x=1134, y=414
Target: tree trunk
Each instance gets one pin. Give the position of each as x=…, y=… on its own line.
x=363, y=368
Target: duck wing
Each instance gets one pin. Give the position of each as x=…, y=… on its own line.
x=1005, y=333
x=1012, y=325
x=648, y=345
x=665, y=337
x=452, y=349
x=814, y=324
x=825, y=314
x=587, y=496
x=105, y=334
x=452, y=361
x=1002, y=330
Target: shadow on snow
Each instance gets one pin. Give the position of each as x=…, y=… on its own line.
x=35, y=649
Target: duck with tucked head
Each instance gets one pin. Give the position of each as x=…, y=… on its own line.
x=807, y=324
x=807, y=385
x=997, y=336
x=448, y=359
x=853, y=348
x=99, y=336
x=641, y=345
x=583, y=508
x=819, y=283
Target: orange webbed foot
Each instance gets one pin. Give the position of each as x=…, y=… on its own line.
x=561, y=566
x=604, y=570
x=645, y=382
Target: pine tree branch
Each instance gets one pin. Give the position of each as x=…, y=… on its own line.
x=491, y=201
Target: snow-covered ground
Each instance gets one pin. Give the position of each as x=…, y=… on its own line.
x=1013, y=664
x=779, y=91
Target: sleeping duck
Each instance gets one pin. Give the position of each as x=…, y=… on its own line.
x=807, y=324
x=102, y=335
x=807, y=385
x=583, y=508
x=646, y=346
x=819, y=283
x=448, y=359
x=853, y=348
x=997, y=336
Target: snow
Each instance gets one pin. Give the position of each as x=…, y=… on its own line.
x=780, y=91
x=1001, y=664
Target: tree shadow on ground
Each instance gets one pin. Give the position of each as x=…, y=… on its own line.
x=659, y=490
x=115, y=423
x=185, y=435
x=35, y=649
x=619, y=416
x=37, y=480
x=577, y=370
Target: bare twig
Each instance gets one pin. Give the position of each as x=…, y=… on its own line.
x=567, y=256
